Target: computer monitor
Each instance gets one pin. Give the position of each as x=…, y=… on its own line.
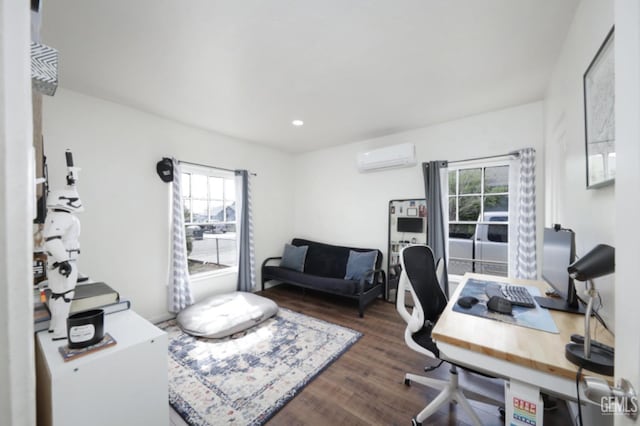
x=410, y=224
x=558, y=252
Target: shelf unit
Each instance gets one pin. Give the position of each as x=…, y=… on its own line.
x=407, y=225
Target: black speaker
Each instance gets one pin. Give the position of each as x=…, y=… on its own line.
x=165, y=169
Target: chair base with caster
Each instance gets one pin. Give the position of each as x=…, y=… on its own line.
x=420, y=275
x=449, y=392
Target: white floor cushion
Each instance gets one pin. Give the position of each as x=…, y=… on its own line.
x=226, y=314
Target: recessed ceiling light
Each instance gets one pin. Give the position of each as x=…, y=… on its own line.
x=297, y=123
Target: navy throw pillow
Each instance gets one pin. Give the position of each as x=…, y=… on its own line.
x=293, y=257
x=360, y=262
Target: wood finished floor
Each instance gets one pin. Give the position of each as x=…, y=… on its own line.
x=365, y=386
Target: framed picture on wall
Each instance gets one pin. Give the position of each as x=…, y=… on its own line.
x=599, y=116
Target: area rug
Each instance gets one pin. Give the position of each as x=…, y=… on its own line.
x=245, y=379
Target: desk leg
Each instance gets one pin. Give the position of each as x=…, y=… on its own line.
x=523, y=404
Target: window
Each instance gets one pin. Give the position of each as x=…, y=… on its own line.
x=209, y=197
x=498, y=233
x=478, y=219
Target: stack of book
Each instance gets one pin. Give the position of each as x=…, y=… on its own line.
x=41, y=316
x=94, y=295
x=90, y=296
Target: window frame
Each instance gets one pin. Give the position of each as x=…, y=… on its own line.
x=210, y=172
x=483, y=165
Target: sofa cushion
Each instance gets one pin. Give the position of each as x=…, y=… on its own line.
x=335, y=285
x=359, y=263
x=293, y=257
x=327, y=260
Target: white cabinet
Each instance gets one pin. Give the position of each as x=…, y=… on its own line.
x=125, y=384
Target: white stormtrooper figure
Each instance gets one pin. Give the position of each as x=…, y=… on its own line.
x=61, y=233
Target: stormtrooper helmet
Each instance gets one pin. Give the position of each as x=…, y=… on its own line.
x=65, y=199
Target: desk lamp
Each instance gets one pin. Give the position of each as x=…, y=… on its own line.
x=590, y=355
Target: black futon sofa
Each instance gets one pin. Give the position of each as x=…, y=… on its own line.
x=324, y=270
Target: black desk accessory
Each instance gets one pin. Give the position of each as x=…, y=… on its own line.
x=500, y=305
x=558, y=304
x=589, y=354
x=467, y=302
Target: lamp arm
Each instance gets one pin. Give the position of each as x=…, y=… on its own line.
x=587, y=320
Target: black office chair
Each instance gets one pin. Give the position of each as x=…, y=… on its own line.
x=420, y=276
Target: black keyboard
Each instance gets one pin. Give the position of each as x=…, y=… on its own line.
x=516, y=294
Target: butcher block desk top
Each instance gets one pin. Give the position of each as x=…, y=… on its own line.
x=538, y=350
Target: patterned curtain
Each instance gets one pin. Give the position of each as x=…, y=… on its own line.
x=437, y=235
x=246, y=255
x=179, y=296
x=525, y=256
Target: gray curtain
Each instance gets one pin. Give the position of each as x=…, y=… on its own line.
x=436, y=234
x=526, y=216
x=244, y=218
x=179, y=287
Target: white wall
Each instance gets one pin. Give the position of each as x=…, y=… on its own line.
x=627, y=314
x=125, y=226
x=337, y=204
x=17, y=373
x=590, y=213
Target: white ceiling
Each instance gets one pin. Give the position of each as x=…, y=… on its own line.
x=351, y=69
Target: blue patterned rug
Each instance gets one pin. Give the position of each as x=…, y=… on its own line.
x=245, y=379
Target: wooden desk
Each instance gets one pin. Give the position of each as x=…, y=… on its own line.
x=530, y=357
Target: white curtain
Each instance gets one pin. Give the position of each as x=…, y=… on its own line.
x=179, y=289
x=244, y=223
x=522, y=215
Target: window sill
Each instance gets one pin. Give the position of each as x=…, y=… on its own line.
x=213, y=274
x=455, y=278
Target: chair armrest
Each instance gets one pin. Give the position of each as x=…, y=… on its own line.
x=397, y=269
x=265, y=264
x=268, y=259
x=367, y=274
x=415, y=318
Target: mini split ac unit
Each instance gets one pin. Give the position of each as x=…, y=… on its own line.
x=403, y=155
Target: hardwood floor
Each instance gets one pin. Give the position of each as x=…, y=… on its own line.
x=365, y=386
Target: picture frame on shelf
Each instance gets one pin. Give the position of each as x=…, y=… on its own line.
x=599, y=116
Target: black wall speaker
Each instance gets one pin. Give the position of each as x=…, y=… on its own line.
x=165, y=169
